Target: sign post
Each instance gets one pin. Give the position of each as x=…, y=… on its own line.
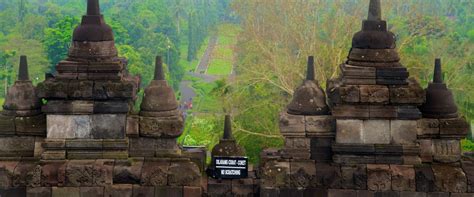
x=230, y=167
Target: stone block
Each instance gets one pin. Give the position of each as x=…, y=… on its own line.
x=66, y=191
x=341, y=192
x=269, y=192
x=365, y=193
x=298, y=142
x=388, y=159
x=176, y=177
x=408, y=113
x=17, y=146
x=156, y=127
x=84, y=154
x=349, y=131
x=353, y=159
x=327, y=176
x=68, y=126
x=294, y=192
x=315, y=192
x=446, y=151
x=142, y=147
x=91, y=191
x=38, y=192
x=132, y=128
x=387, y=194
x=242, y=189
x=449, y=179
x=411, y=94
x=84, y=144
x=127, y=171
x=80, y=89
x=411, y=160
x=292, y=124
x=27, y=174
x=7, y=169
x=275, y=173
x=383, y=112
x=425, y=180
x=142, y=191
x=426, y=150
x=119, y=190
x=455, y=127
x=403, y=178
x=219, y=188
x=363, y=71
x=53, y=173
x=34, y=125
x=379, y=177
x=403, y=131
x=412, y=194
x=462, y=195
x=374, y=94
x=155, y=173
x=38, y=147
x=193, y=191
x=102, y=129
x=319, y=125
x=111, y=107
x=301, y=173
x=354, y=177
x=351, y=111
x=7, y=125
x=86, y=173
x=13, y=192
x=361, y=149
x=358, y=81
x=349, y=94
x=54, y=155
x=427, y=127
x=468, y=167
x=376, y=132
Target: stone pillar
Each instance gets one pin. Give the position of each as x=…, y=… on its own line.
x=22, y=125
x=374, y=101
x=89, y=97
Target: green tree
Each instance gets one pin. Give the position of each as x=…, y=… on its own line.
x=57, y=39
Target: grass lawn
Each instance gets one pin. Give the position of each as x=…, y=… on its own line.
x=223, y=55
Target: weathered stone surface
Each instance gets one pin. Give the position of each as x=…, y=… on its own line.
x=142, y=147
x=127, y=171
x=269, y=192
x=383, y=112
x=243, y=187
x=156, y=127
x=38, y=192
x=425, y=180
x=446, y=151
x=176, y=177
x=354, y=177
x=119, y=190
x=86, y=173
x=142, y=191
x=53, y=173
x=301, y=173
x=411, y=94
x=28, y=174
x=275, y=173
x=298, y=142
x=403, y=178
x=219, y=188
x=374, y=94
x=376, y=132
x=54, y=155
x=17, y=146
x=353, y=159
x=379, y=177
x=345, y=94
x=7, y=169
x=155, y=173
x=408, y=113
x=455, y=127
x=327, y=176
x=133, y=126
x=292, y=124
x=91, y=191
x=403, y=131
x=388, y=159
x=341, y=192
x=349, y=131
x=462, y=195
x=428, y=127
x=412, y=194
x=351, y=111
x=33, y=125
x=320, y=124
x=7, y=125
x=66, y=191
x=102, y=129
x=111, y=107
x=468, y=167
x=426, y=150
x=169, y=191
x=68, y=126
x=195, y=192
x=449, y=179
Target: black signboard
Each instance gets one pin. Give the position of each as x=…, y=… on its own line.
x=230, y=167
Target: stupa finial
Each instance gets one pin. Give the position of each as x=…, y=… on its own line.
x=23, y=70
x=310, y=69
x=93, y=7
x=438, y=74
x=227, y=128
x=375, y=11
x=159, y=75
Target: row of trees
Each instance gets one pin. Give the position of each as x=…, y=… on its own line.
x=42, y=29
x=278, y=36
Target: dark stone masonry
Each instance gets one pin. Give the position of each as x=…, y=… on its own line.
x=377, y=132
